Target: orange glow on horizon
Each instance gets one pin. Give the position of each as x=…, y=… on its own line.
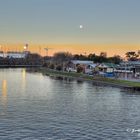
x=111, y=49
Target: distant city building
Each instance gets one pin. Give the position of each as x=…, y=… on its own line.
x=1, y=54
x=11, y=54
x=81, y=62
x=107, y=67
x=87, y=65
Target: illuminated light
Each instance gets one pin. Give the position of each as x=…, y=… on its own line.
x=25, y=47
x=81, y=26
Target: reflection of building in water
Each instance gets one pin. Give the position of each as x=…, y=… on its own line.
x=4, y=95
x=23, y=78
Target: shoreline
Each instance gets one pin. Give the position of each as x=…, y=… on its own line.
x=128, y=85
x=19, y=66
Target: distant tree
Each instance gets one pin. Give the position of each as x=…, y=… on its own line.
x=115, y=59
x=51, y=66
x=76, y=57
x=80, y=69
x=100, y=59
x=103, y=54
x=91, y=56
x=61, y=57
x=132, y=56
x=34, y=59
x=59, y=67
x=80, y=57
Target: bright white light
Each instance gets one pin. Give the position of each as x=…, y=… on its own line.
x=25, y=47
x=81, y=26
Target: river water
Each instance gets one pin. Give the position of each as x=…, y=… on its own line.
x=37, y=107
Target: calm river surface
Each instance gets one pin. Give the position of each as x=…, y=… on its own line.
x=37, y=107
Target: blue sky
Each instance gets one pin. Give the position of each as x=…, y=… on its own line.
x=57, y=21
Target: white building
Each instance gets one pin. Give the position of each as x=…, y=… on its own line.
x=1, y=54
x=107, y=67
x=88, y=66
x=16, y=54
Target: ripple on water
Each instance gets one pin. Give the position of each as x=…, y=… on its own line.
x=36, y=107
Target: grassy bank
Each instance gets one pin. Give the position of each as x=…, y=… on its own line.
x=97, y=79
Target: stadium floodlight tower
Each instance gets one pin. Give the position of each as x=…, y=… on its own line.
x=25, y=47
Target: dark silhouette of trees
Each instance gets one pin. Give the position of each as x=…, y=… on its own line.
x=91, y=56
x=103, y=54
x=59, y=67
x=132, y=56
x=60, y=60
x=80, y=69
x=34, y=59
x=61, y=57
x=99, y=58
x=80, y=57
x=115, y=59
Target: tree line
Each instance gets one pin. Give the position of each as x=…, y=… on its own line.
x=116, y=59
x=65, y=56
x=60, y=58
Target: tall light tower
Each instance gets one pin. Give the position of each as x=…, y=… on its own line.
x=25, y=47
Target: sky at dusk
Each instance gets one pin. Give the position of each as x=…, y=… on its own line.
x=108, y=25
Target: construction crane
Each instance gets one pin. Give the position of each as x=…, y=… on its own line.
x=47, y=50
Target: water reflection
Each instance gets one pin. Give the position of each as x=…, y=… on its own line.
x=23, y=78
x=4, y=96
x=63, y=109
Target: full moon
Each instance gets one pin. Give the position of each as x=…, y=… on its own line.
x=81, y=26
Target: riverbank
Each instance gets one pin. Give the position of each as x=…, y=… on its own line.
x=20, y=66
x=128, y=85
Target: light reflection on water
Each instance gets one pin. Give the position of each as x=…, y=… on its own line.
x=23, y=79
x=33, y=106
x=4, y=97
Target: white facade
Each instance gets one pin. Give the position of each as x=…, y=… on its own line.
x=16, y=55
x=1, y=54
x=82, y=62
